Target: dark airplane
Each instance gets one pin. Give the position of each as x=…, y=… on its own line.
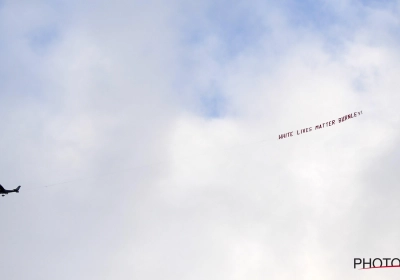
x=3, y=191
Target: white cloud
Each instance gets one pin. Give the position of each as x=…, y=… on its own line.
x=163, y=191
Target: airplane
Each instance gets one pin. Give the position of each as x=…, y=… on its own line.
x=3, y=191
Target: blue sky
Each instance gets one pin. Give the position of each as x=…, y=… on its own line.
x=227, y=33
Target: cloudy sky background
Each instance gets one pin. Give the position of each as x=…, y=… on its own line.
x=163, y=118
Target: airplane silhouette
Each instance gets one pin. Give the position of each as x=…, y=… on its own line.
x=3, y=191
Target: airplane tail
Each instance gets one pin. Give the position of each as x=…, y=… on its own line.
x=17, y=189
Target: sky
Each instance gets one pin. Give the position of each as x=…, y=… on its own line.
x=144, y=135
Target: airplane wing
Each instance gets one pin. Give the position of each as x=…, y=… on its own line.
x=1, y=188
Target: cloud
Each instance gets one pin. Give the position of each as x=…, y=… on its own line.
x=163, y=119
